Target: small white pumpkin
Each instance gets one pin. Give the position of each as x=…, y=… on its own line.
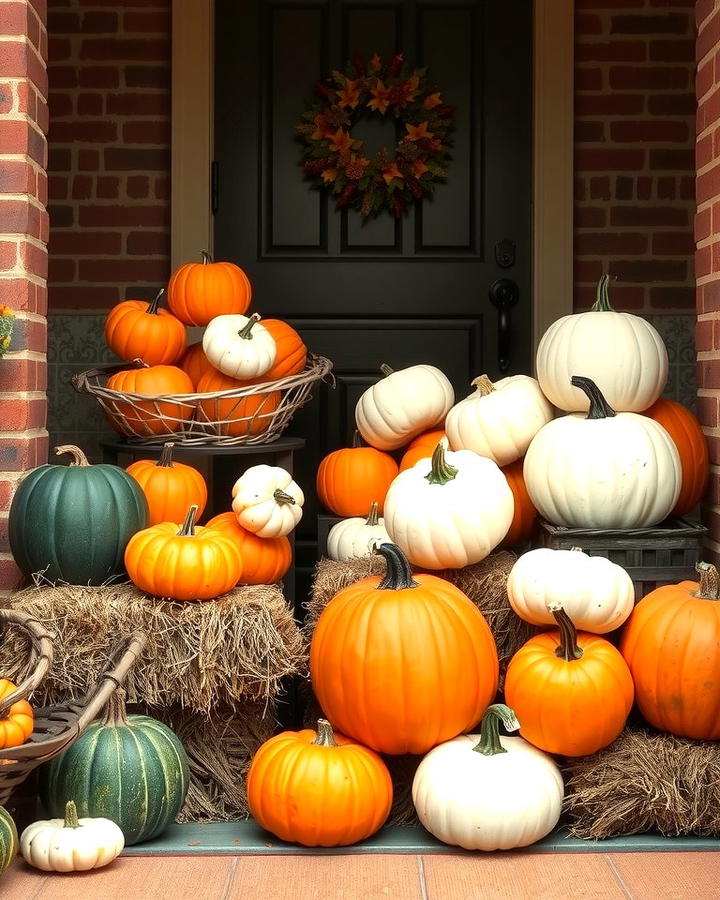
x=356, y=536
x=603, y=470
x=239, y=346
x=71, y=844
x=499, y=420
x=402, y=405
x=449, y=511
x=622, y=353
x=596, y=593
x=267, y=501
x=486, y=792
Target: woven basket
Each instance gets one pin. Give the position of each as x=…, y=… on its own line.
x=146, y=419
x=55, y=727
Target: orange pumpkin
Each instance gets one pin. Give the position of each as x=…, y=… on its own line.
x=16, y=723
x=421, y=448
x=264, y=560
x=135, y=329
x=350, y=480
x=670, y=642
x=318, y=788
x=402, y=663
x=170, y=487
x=198, y=292
x=195, y=363
x=142, y=417
x=525, y=515
x=688, y=437
x=571, y=691
x=183, y=562
x=291, y=352
x=234, y=412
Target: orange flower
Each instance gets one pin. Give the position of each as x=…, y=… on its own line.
x=321, y=128
x=391, y=172
x=418, y=167
x=417, y=132
x=340, y=141
x=432, y=100
x=380, y=97
x=408, y=90
x=375, y=64
x=328, y=175
x=350, y=94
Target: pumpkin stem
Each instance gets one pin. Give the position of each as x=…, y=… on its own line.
x=282, y=497
x=325, y=736
x=166, y=460
x=115, y=711
x=441, y=472
x=153, y=306
x=399, y=574
x=568, y=648
x=372, y=518
x=71, y=816
x=599, y=407
x=602, y=302
x=79, y=458
x=188, y=526
x=357, y=440
x=489, y=743
x=576, y=550
x=483, y=384
x=709, y=582
x=246, y=331
x=386, y=369
x=206, y=258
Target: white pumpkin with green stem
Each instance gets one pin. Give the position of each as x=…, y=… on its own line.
x=449, y=511
x=622, y=353
x=487, y=792
x=239, y=346
x=267, y=502
x=356, y=536
x=71, y=844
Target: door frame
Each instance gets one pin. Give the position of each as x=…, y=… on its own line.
x=553, y=122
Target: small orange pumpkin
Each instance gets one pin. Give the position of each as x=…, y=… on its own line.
x=170, y=487
x=525, y=515
x=235, y=412
x=135, y=329
x=195, y=363
x=150, y=381
x=421, y=448
x=318, y=789
x=264, y=560
x=291, y=352
x=16, y=724
x=198, y=292
x=350, y=480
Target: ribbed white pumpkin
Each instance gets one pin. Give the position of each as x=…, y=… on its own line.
x=603, y=470
x=239, y=346
x=402, y=405
x=622, y=353
x=449, y=511
x=596, y=593
x=267, y=501
x=499, y=420
x=486, y=792
x=356, y=537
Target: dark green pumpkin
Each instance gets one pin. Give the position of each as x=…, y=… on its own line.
x=130, y=769
x=73, y=522
x=8, y=839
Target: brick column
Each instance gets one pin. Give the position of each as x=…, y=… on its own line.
x=23, y=250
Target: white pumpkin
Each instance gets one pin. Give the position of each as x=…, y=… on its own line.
x=449, y=511
x=596, y=593
x=622, y=353
x=239, y=346
x=603, y=470
x=71, y=844
x=356, y=537
x=267, y=501
x=402, y=405
x=486, y=792
x=499, y=420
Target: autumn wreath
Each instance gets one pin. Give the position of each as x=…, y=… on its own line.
x=392, y=179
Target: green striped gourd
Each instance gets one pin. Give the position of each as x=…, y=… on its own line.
x=131, y=769
x=8, y=839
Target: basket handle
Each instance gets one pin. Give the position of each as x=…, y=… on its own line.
x=80, y=379
x=109, y=681
x=42, y=648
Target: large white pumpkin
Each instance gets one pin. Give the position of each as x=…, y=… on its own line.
x=402, y=405
x=357, y=536
x=499, y=420
x=449, y=511
x=597, y=594
x=267, y=501
x=603, y=470
x=622, y=353
x=486, y=792
x=239, y=346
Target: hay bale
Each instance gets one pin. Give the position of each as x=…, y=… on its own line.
x=198, y=655
x=645, y=782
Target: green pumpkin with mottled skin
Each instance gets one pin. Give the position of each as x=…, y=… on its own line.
x=8, y=839
x=130, y=769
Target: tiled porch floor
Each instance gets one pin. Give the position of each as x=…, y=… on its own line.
x=526, y=876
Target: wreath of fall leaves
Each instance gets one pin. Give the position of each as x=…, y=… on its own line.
x=395, y=177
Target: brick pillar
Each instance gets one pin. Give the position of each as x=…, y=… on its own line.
x=23, y=251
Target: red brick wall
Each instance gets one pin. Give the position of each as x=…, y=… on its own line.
x=23, y=254
x=634, y=137
x=109, y=71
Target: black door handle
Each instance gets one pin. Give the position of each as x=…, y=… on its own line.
x=504, y=294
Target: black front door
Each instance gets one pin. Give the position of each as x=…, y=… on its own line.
x=397, y=291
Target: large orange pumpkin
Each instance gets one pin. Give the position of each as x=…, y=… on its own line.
x=142, y=416
x=291, y=352
x=16, y=724
x=525, y=515
x=318, y=788
x=402, y=663
x=170, y=487
x=571, y=691
x=422, y=447
x=264, y=560
x=195, y=363
x=350, y=480
x=135, y=329
x=671, y=642
x=233, y=412
x=688, y=437
x=183, y=562
x=198, y=292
